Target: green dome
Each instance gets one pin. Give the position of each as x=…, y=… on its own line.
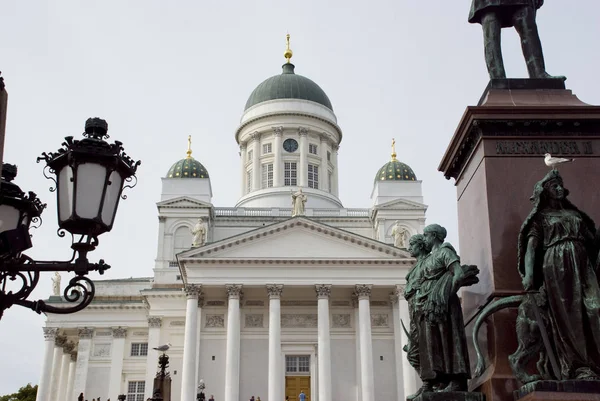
x=187, y=168
x=288, y=85
x=395, y=171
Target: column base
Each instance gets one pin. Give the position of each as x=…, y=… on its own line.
x=450, y=396
x=542, y=390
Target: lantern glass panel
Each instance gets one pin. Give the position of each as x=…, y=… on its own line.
x=65, y=193
x=91, y=178
x=9, y=217
x=111, y=198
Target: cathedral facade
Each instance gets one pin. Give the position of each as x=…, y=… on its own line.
x=287, y=291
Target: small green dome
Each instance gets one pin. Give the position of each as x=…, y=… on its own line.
x=288, y=85
x=187, y=168
x=395, y=171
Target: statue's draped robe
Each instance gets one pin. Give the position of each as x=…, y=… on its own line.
x=413, y=283
x=572, y=287
x=442, y=342
x=505, y=9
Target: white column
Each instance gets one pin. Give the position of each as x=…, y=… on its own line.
x=160, y=253
x=399, y=354
x=198, y=329
x=71, y=379
x=188, y=379
x=116, y=363
x=83, y=359
x=357, y=342
x=232, y=358
x=324, y=341
x=410, y=376
x=243, y=163
x=44, y=385
x=256, y=169
x=366, y=343
x=59, y=343
x=64, y=371
x=278, y=164
x=154, y=324
x=303, y=167
x=334, y=182
x=324, y=167
x=275, y=387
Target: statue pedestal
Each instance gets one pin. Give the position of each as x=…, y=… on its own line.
x=496, y=156
x=451, y=396
x=570, y=390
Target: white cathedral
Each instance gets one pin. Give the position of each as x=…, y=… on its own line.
x=264, y=299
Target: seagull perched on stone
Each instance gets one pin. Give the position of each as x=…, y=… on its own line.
x=555, y=161
x=163, y=348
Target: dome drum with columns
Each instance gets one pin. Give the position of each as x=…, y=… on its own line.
x=253, y=300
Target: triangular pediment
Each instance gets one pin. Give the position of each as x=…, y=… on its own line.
x=298, y=238
x=402, y=204
x=183, y=202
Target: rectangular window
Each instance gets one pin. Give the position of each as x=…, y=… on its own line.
x=312, y=148
x=135, y=391
x=329, y=181
x=313, y=176
x=249, y=159
x=267, y=148
x=297, y=364
x=328, y=156
x=248, y=181
x=139, y=349
x=267, y=175
x=290, y=174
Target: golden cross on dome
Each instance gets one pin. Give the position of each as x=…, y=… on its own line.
x=288, y=52
x=189, y=150
x=394, y=150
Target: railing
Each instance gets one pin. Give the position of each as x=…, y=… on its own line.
x=287, y=212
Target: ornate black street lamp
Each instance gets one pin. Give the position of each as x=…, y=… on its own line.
x=89, y=175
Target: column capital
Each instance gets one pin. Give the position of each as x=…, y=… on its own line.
x=162, y=219
x=302, y=131
x=255, y=136
x=85, y=332
x=60, y=340
x=354, y=299
x=399, y=292
x=201, y=300
x=192, y=291
x=234, y=291
x=50, y=333
x=154, y=321
x=74, y=356
x=363, y=291
x=274, y=290
x=278, y=131
x=243, y=145
x=323, y=290
x=119, y=332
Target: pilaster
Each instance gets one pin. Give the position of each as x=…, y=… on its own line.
x=154, y=326
x=116, y=366
x=43, y=393
x=83, y=358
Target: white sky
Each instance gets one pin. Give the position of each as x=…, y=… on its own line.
x=158, y=71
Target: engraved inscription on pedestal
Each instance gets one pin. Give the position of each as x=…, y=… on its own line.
x=340, y=320
x=379, y=320
x=300, y=320
x=215, y=321
x=254, y=320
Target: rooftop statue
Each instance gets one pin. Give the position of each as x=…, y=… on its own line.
x=298, y=203
x=559, y=314
x=493, y=15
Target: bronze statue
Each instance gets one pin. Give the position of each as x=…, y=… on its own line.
x=559, y=316
x=493, y=15
x=443, y=361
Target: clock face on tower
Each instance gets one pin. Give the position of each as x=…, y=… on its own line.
x=290, y=145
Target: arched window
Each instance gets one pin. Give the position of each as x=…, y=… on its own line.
x=182, y=240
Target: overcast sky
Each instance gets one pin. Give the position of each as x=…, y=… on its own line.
x=158, y=71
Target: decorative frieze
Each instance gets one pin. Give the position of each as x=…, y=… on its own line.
x=215, y=321
x=234, y=291
x=50, y=333
x=340, y=303
x=380, y=303
x=215, y=303
x=340, y=320
x=254, y=302
x=119, y=332
x=298, y=303
x=154, y=321
x=140, y=334
x=103, y=333
x=300, y=320
x=85, y=332
x=192, y=291
x=363, y=291
x=101, y=350
x=274, y=290
x=323, y=290
x=380, y=320
x=177, y=323
x=254, y=320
